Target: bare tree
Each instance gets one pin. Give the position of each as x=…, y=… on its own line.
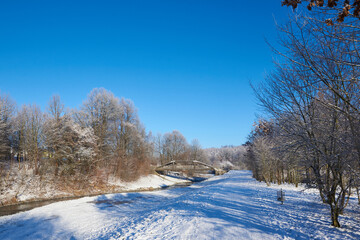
x=54, y=128
x=159, y=149
x=121, y=146
x=195, y=150
x=175, y=146
x=313, y=98
x=31, y=137
x=100, y=111
x=6, y=116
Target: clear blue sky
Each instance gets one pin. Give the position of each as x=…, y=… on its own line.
x=185, y=64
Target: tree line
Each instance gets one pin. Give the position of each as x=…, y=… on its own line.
x=227, y=157
x=311, y=129
x=103, y=138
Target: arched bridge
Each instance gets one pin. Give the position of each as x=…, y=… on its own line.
x=188, y=168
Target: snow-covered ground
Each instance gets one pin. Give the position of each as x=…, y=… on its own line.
x=26, y=187
x=232, y=206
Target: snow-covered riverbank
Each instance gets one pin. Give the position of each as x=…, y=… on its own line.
x=31, y=189
x=232, y=206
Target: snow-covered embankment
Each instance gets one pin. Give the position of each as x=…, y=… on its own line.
x=231, y=206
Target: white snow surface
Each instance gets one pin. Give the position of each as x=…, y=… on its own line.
x=149, y=181
x=231, y=206
x=26, y=186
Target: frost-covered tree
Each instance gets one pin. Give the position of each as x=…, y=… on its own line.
x=175, y=146
x=54, y=132
x=121, y=145
x=128, y=127
x=196, y=151
x=6, y=117
x=19, y=135
x=313, y=99
x=101, y=111
x=29, y=135
x=77, y=151
x=226, y=157
x=69, y=146
x=159, y=150
x=265, y=158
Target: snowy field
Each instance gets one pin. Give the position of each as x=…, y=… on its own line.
x=232, y=206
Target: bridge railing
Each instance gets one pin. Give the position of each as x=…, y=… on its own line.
x=186, y=166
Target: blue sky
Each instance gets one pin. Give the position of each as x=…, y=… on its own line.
x=185, y=64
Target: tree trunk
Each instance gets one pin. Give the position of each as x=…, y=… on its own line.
x=36, y=164
x=18, y=158
x=322, y=196
x=56, y=168
x=296, y=178
x=345, y=201
x=308, y=177
x=334, y=216
x=278, y=173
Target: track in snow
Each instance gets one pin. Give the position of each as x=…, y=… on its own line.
x=232, y=206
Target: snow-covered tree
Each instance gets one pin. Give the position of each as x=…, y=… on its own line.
x=77, y=152
x=28, y=135
x=121, y=145
x=6, y=117
x=100, y=111
x=226, y=157
x=175, y=146
x=196, y=151
x=313, y=98
x=68, y=144
x=54, y=132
